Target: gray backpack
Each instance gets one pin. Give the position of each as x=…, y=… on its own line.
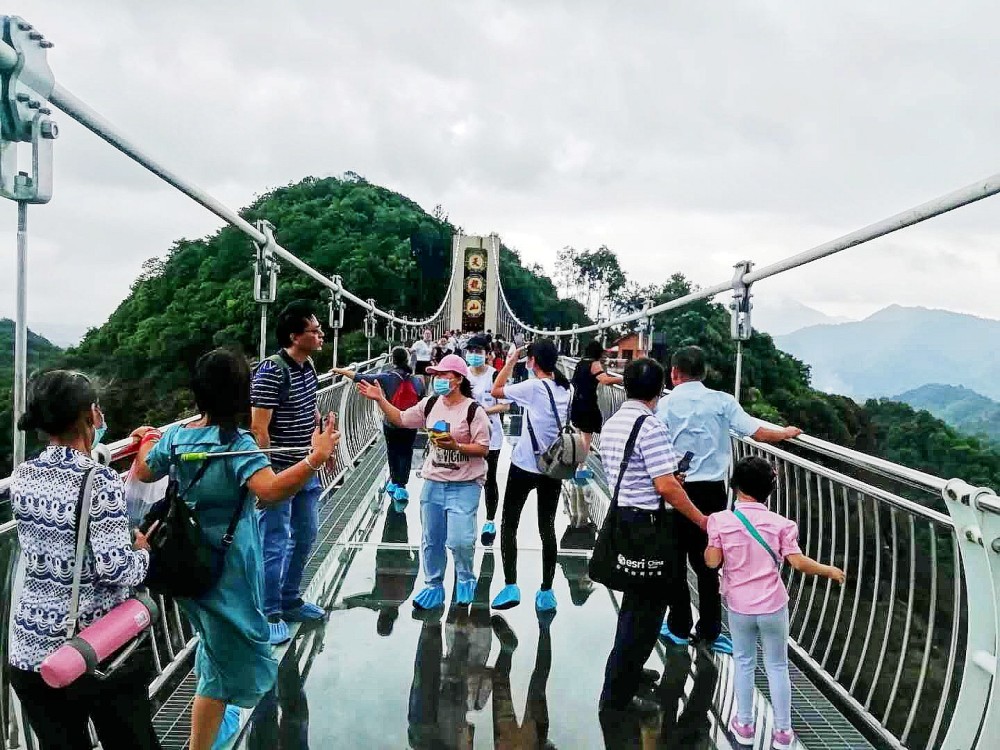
x=561, y=459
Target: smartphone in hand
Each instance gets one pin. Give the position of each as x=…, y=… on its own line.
x=685, y=463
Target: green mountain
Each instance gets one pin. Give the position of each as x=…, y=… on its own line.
x=199, y=295
x=962, y=408
x=898, y=349
x=41, y=353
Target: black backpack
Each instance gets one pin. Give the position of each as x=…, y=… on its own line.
x=469, y=416
x=285, y=387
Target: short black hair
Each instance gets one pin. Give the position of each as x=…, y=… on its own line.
x=221, y=385
x=690, y=360
x=293, y=320
x=643, y=379
x=56, y=400
x=594, y=350
x=478, y=342
x=755, y=477
x=401, y=358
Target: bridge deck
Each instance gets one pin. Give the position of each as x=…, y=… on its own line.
x=377, y=676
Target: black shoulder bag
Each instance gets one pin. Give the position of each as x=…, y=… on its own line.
x=182, y=560
x=633, y=555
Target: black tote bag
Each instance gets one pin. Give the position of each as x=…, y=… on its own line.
x=633, y=556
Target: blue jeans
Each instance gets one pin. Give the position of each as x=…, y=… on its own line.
x=288, y=531
x=773, y=630
x=448, y=515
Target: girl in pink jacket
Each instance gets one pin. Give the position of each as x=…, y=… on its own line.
x=752, y=541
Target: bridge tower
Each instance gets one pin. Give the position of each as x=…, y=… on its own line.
x=475, y=292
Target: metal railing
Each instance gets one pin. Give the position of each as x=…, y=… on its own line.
x=172, y=638
x=903, y=646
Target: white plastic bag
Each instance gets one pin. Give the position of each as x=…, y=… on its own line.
x=140, y=497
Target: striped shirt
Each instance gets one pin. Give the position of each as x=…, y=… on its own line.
x=293, y=422
x=653, y=456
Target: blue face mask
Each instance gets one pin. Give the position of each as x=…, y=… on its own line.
x=475, y=360
x=441, y=386
x=99, y=432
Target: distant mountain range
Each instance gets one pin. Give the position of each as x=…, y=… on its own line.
x=963, y=409
x=899, y=349
x=780, y=316
x=40, y=350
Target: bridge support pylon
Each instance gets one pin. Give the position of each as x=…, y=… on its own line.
x=475, y=292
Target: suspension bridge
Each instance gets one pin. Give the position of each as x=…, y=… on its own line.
x=904, y=656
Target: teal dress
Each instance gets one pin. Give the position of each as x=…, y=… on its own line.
x=233, y=661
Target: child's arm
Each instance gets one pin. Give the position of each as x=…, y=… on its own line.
x=810, y=567
x=713, y=557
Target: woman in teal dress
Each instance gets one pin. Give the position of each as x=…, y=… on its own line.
x=233, y=661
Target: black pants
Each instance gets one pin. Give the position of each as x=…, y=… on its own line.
x=399, y=449
x=519, y=484
x=708, y=497
x=491, y=490
x=118, y=706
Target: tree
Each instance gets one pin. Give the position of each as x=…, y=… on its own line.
x=600, y=272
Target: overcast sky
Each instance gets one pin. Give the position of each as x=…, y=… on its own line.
x=685, y=136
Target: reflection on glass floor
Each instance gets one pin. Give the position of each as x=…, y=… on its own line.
x=378, y=674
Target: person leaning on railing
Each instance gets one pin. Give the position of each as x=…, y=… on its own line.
x=45, y=493
x=699, y=420
x=234, y=663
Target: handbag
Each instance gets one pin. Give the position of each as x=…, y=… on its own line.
x=104, y=645
x=631, y=556
x=182, y=560
x=756, y=535
x=561, y=459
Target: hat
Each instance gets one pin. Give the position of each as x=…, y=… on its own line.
x=450, y=363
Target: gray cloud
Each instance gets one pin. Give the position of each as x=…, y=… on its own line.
x=684, y=136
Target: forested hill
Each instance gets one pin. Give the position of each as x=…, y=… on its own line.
x=200, y=293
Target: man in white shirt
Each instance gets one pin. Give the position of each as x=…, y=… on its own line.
x=422, y=349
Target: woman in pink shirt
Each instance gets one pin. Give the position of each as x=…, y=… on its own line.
x=752, y=541
x=453, y=473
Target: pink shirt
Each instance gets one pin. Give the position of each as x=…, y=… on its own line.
x=751, y=582
x=446, y=465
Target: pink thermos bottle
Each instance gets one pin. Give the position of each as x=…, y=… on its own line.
x=98, y=641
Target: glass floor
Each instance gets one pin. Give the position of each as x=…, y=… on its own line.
x=377, y=674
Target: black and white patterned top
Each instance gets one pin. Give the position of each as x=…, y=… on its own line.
x=44, y=494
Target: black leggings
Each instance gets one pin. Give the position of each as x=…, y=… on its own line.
x=119, y=707
x=492, y=492
x=519, y=484
x=399, y=452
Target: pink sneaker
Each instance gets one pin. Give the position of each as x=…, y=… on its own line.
x=783, y=739
x=742, y=733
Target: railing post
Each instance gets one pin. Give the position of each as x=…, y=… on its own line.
x=25, y=119
x=574, y=342
x=370, y=325
x=740, y=308
x=975, y=723
x=265, y=279
x=390, y=331
x=335, y=317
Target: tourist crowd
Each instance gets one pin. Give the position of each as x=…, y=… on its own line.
x=256, y=505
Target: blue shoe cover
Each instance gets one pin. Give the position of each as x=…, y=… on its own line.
x=390, y=489
x=228, y=728
x=278, y=633
x=582, y=475
x=465, y=592
x=722, y=645
x=400, y=494
x=676, y=640
x=489, y=534
x=509, y=596
x=431, y=597
x=545, y=600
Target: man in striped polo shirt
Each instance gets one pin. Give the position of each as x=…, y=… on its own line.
x=284, y=415
x=647, y=486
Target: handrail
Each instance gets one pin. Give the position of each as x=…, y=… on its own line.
x=963, y=196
